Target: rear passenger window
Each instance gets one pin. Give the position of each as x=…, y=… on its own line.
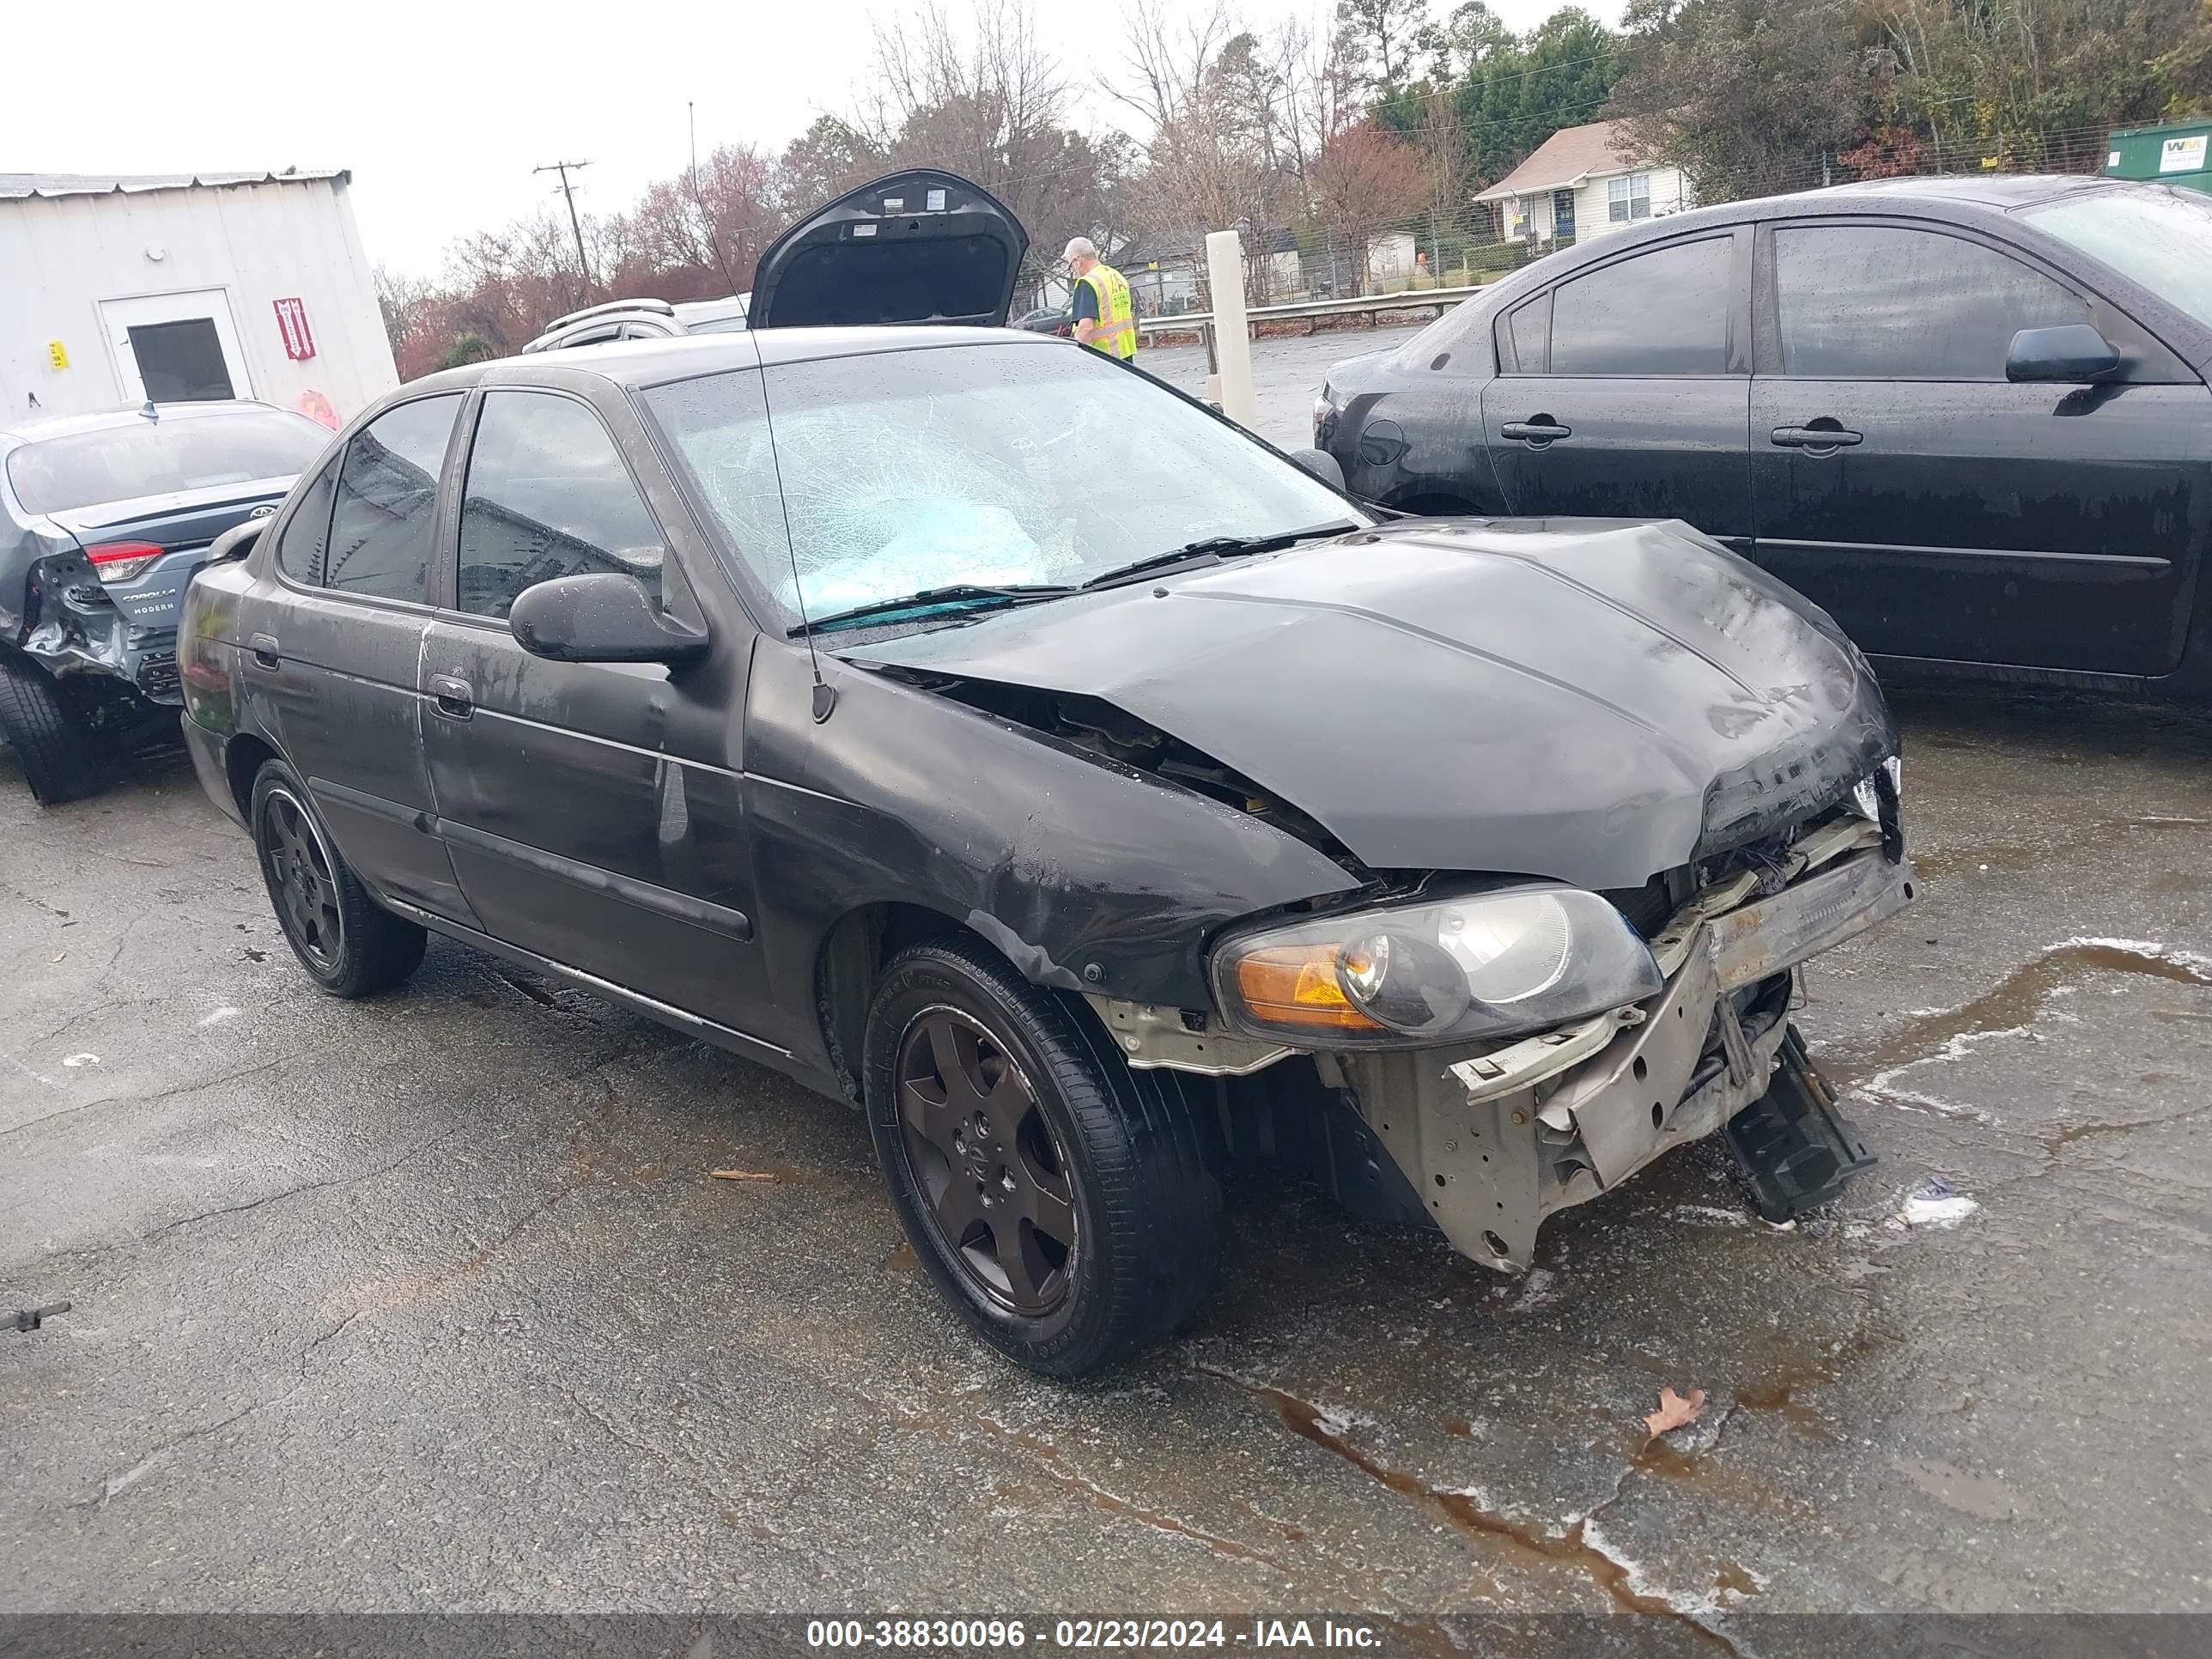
x=386, y=520
x=307, y=532
x=1884, y=302
x=547, y=496
x=1664, y=313
x=1528, y=331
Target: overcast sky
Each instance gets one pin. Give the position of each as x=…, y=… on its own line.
x=441, y=107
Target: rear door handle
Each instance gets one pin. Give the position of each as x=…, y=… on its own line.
x=1543, y=430
x=264, y=647
x=451, y=698
x=1815, y=437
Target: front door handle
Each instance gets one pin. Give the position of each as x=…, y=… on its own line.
x=264, y=647
x=1537, y=429
x=1823, y=434
x=454, y=698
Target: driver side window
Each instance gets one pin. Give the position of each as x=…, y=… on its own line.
x=547, y=496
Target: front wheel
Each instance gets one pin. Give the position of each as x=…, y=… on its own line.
x=1063, y=1203
x=350, y=945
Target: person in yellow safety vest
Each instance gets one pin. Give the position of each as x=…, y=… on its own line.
x=1105, y=319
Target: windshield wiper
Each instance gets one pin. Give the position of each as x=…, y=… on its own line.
x=1209, y=548
x=968, y=596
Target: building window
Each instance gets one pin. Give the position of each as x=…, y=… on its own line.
x=1628, y=199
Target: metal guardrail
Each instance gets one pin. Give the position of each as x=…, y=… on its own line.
x=1372, y=306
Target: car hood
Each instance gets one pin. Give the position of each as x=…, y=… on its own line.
x=1593, y=701
x=917, y=247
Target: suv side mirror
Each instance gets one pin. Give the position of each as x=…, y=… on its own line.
x=1323, y=464
x=604, y=616
x=236, y=542
x=2073, y=354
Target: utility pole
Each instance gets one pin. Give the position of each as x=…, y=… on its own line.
x=575, y=223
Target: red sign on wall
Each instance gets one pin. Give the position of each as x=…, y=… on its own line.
x=292, y=324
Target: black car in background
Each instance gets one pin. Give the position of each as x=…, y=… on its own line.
x=1966, y=416
x=978, y=730
x=103, y=520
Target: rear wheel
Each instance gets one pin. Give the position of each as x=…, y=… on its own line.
x=1062, y=1202
x=51, y=743
x=349, y=945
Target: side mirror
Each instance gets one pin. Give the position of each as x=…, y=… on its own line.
x=604, y=616
x=236, y=542
x=2073, y=354
x=1323, y=464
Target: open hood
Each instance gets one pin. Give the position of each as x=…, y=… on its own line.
x=1589, y=699
x=918, y=246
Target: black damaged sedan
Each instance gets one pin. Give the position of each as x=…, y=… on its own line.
x=982, y=732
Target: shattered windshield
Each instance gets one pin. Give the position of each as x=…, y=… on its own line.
x=996, y=465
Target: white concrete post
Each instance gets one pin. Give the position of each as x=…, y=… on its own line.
x=1232, y=336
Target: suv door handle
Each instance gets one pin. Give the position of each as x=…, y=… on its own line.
x=1540, y=430
x=264, y=647
x=451, y=698
x=1835, y=436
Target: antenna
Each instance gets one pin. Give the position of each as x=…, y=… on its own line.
x=825, y=694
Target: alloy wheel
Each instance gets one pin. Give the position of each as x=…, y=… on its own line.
x=991, y=1173
x=301, y=880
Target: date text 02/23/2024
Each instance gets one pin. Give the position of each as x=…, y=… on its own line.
x=1076, y=1634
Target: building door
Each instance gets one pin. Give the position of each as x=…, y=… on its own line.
x=176, y=348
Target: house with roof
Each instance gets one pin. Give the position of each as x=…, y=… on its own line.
x=1582, y=182
x=182, y=286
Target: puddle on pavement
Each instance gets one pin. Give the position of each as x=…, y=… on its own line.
x=1527, y=1547
x=2013, y=1002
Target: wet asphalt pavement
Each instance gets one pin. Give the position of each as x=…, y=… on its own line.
x=434, y=1303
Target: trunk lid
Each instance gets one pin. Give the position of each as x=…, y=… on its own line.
x=181, y=524
x=914, y=246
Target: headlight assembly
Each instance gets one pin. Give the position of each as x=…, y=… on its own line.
x=1442, y=970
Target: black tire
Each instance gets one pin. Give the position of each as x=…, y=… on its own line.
x=51, y=743
x=350, y=945
x=1070, y=1132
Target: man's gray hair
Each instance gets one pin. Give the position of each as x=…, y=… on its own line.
x=1082, y=248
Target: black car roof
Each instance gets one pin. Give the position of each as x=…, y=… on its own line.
x=681, y=357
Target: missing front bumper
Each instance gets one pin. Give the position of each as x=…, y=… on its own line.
x=1495, y=1141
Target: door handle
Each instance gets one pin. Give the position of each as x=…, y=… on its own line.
x=451, y=698
x=264, y=647
x=1538, y=429
x=1834, y=435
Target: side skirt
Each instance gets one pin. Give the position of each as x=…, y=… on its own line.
x=707, y=1030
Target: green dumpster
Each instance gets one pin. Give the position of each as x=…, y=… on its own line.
x=2179, y=153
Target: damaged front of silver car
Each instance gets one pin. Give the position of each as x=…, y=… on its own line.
x=1601, y=789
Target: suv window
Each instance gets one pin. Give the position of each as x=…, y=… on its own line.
x=1664, y=313
x=387, y=502
x=1886, y=302
x=307, y=532
x=547, y=496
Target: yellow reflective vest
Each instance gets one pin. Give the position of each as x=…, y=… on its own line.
x=1115, y=332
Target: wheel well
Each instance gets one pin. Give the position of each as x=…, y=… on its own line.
x=243, y=758
x=852, y=960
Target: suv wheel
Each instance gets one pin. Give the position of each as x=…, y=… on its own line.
x=1062, y=1202
x=50, y=740
x=349, y=945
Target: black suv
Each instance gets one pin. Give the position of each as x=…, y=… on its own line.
x=978, y=730
x=1968, y=417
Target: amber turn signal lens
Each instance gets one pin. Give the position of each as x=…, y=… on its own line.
x=1297, y=985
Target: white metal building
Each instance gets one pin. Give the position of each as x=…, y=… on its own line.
x=185, y=287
